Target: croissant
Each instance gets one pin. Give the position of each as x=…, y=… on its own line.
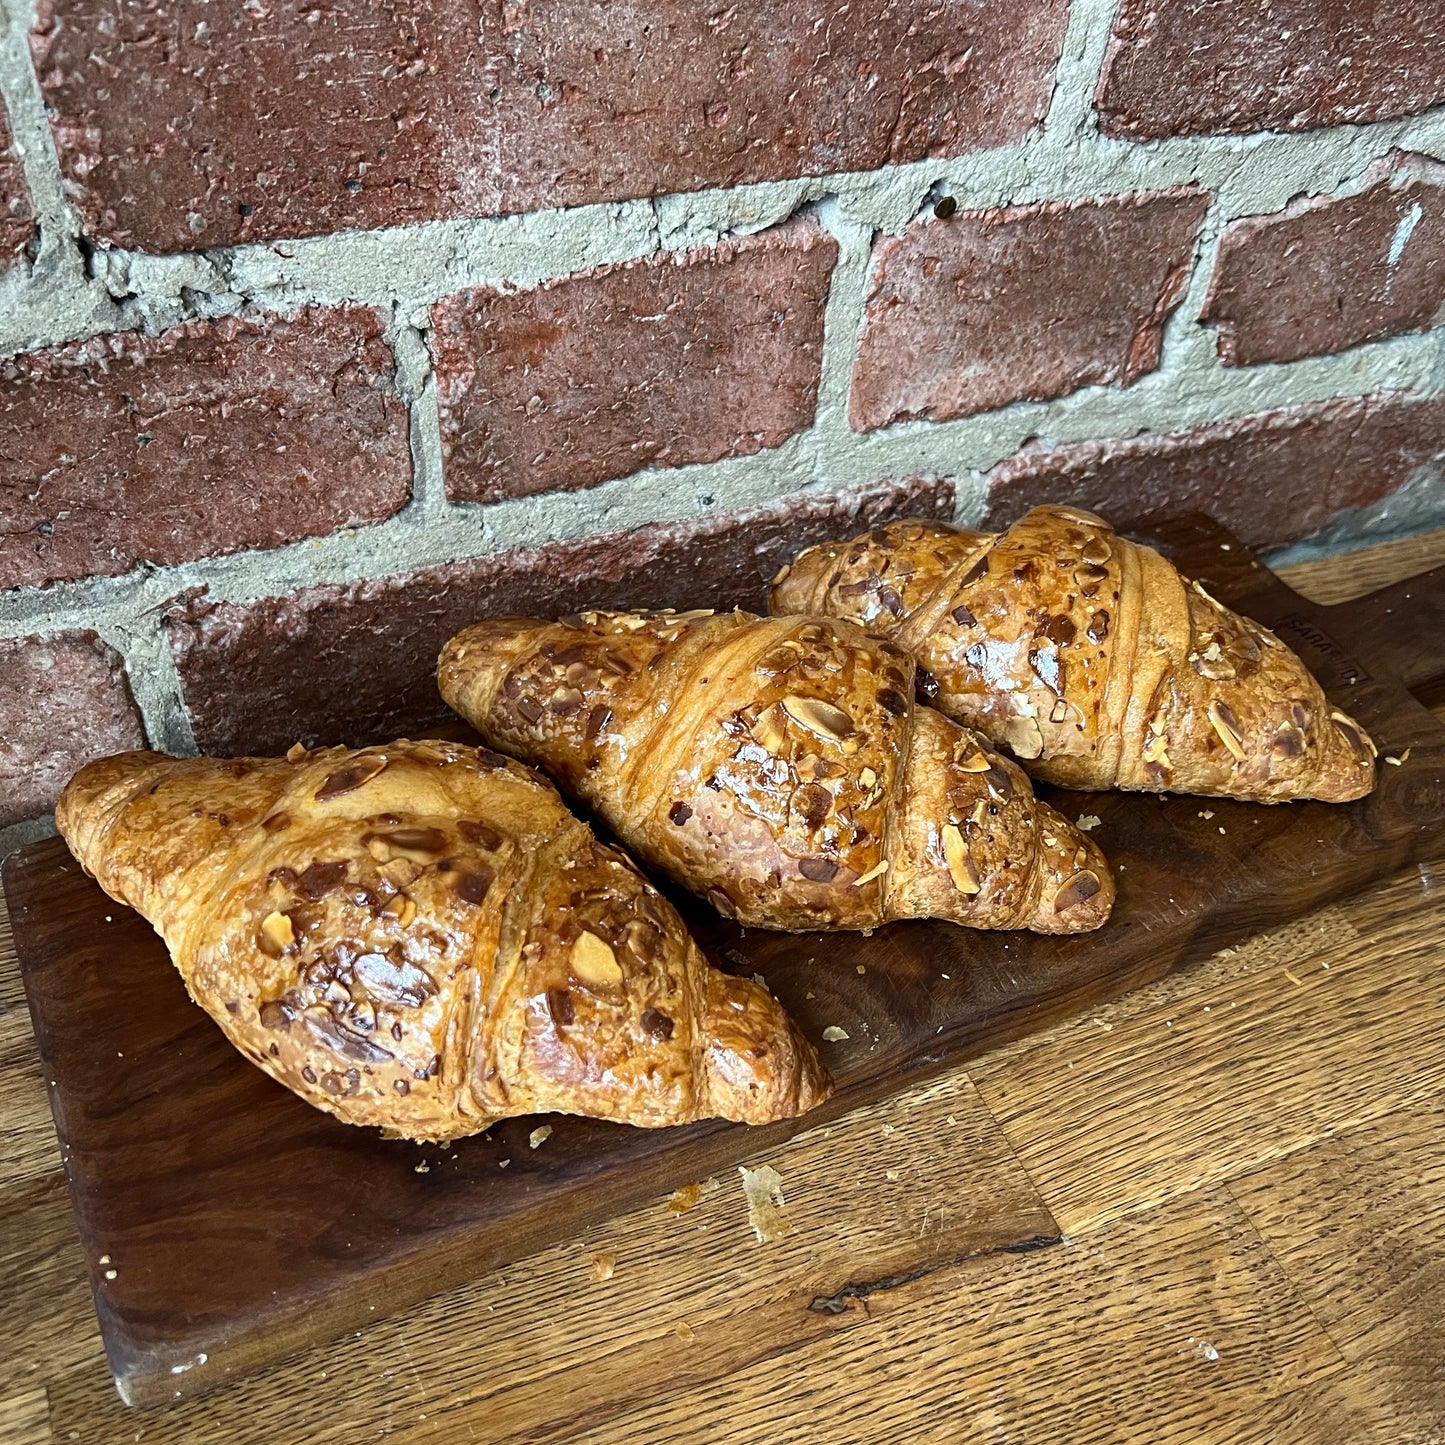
x=781, y=768
x=1090, y=658
x=422, y=937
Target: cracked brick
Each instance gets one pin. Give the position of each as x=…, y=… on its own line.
x=1270, y=478
x=356, y=662
x=1025, y=303
x=1200, y=67
x=17, y=224
x=302, y=119
x=64, y=700
x=209, y=438
x=1330, y=272
x=655, y=362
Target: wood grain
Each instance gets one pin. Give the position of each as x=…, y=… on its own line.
x=901, y=1369
x=545, y=1349
x=1164, y=1084
x=1358, y=1223
x=1061, y=1345
x=1336, y=579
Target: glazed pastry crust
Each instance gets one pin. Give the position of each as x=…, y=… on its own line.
x=778, y=767
x=421, y=937
x=1090, y=658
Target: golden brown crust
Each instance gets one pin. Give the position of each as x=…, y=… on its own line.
x=1090, y=658
x=778, y=767
x=420, y=936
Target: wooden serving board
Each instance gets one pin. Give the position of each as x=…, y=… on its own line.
x=226, y=1223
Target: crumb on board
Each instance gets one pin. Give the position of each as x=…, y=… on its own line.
x=1088, y=822
x=1207, y=813
x=423, y=1168
x=539, y=1136
x=834, y=1035
x=891, y=1175
x=688, y=1196
x=502, y=1163
x=767, y=1209
x=684, y=1331
x=602, y=1267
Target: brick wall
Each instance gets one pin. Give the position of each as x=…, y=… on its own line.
x=325, y=329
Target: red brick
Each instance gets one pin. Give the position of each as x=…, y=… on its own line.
x=1269, y=478
x=207, y=439
x=16, y=223
x=655, y=362
x=1028, y=303
x=1330, y=272
x=1196, y=67
x=357, y=661
x=63, y=701
x=181, y=123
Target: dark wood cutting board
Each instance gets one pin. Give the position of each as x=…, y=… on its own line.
x=226, y=1223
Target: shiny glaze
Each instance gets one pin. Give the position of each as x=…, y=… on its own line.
x=1090, y=658
x=420, y=936
x=779, y=768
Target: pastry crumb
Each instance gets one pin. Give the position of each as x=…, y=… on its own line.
x=1088, y=822
x=834, y=1035
x=688, y=1196
x=603, y=1267
x=684, y=1331
x=539, y=1136
x=767, y=1209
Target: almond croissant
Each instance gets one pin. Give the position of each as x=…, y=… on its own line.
x=1091, y=658
x=422, y=937
x=779, y=768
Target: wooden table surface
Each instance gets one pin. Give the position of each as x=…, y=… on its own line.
x=1231, y=1185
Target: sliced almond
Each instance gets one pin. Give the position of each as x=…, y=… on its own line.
x=819, y=717
x=770, y=729
x=400, y=872
x=1023, y=737
x=355, y=774
x=594, y=963
x=959, y=859
x=1079, y=889
x=402, y=908
x=975, y=762
x=276, y=930
x=1156, y=749
x=1354, y=732
x=1227, y=726
x=877, y=871
x=867, y=778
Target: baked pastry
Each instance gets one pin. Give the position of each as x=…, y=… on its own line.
x=781, y=768
x=420, y=936
x=1090, y=658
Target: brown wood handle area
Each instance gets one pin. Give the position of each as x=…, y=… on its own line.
x=1398, y=630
